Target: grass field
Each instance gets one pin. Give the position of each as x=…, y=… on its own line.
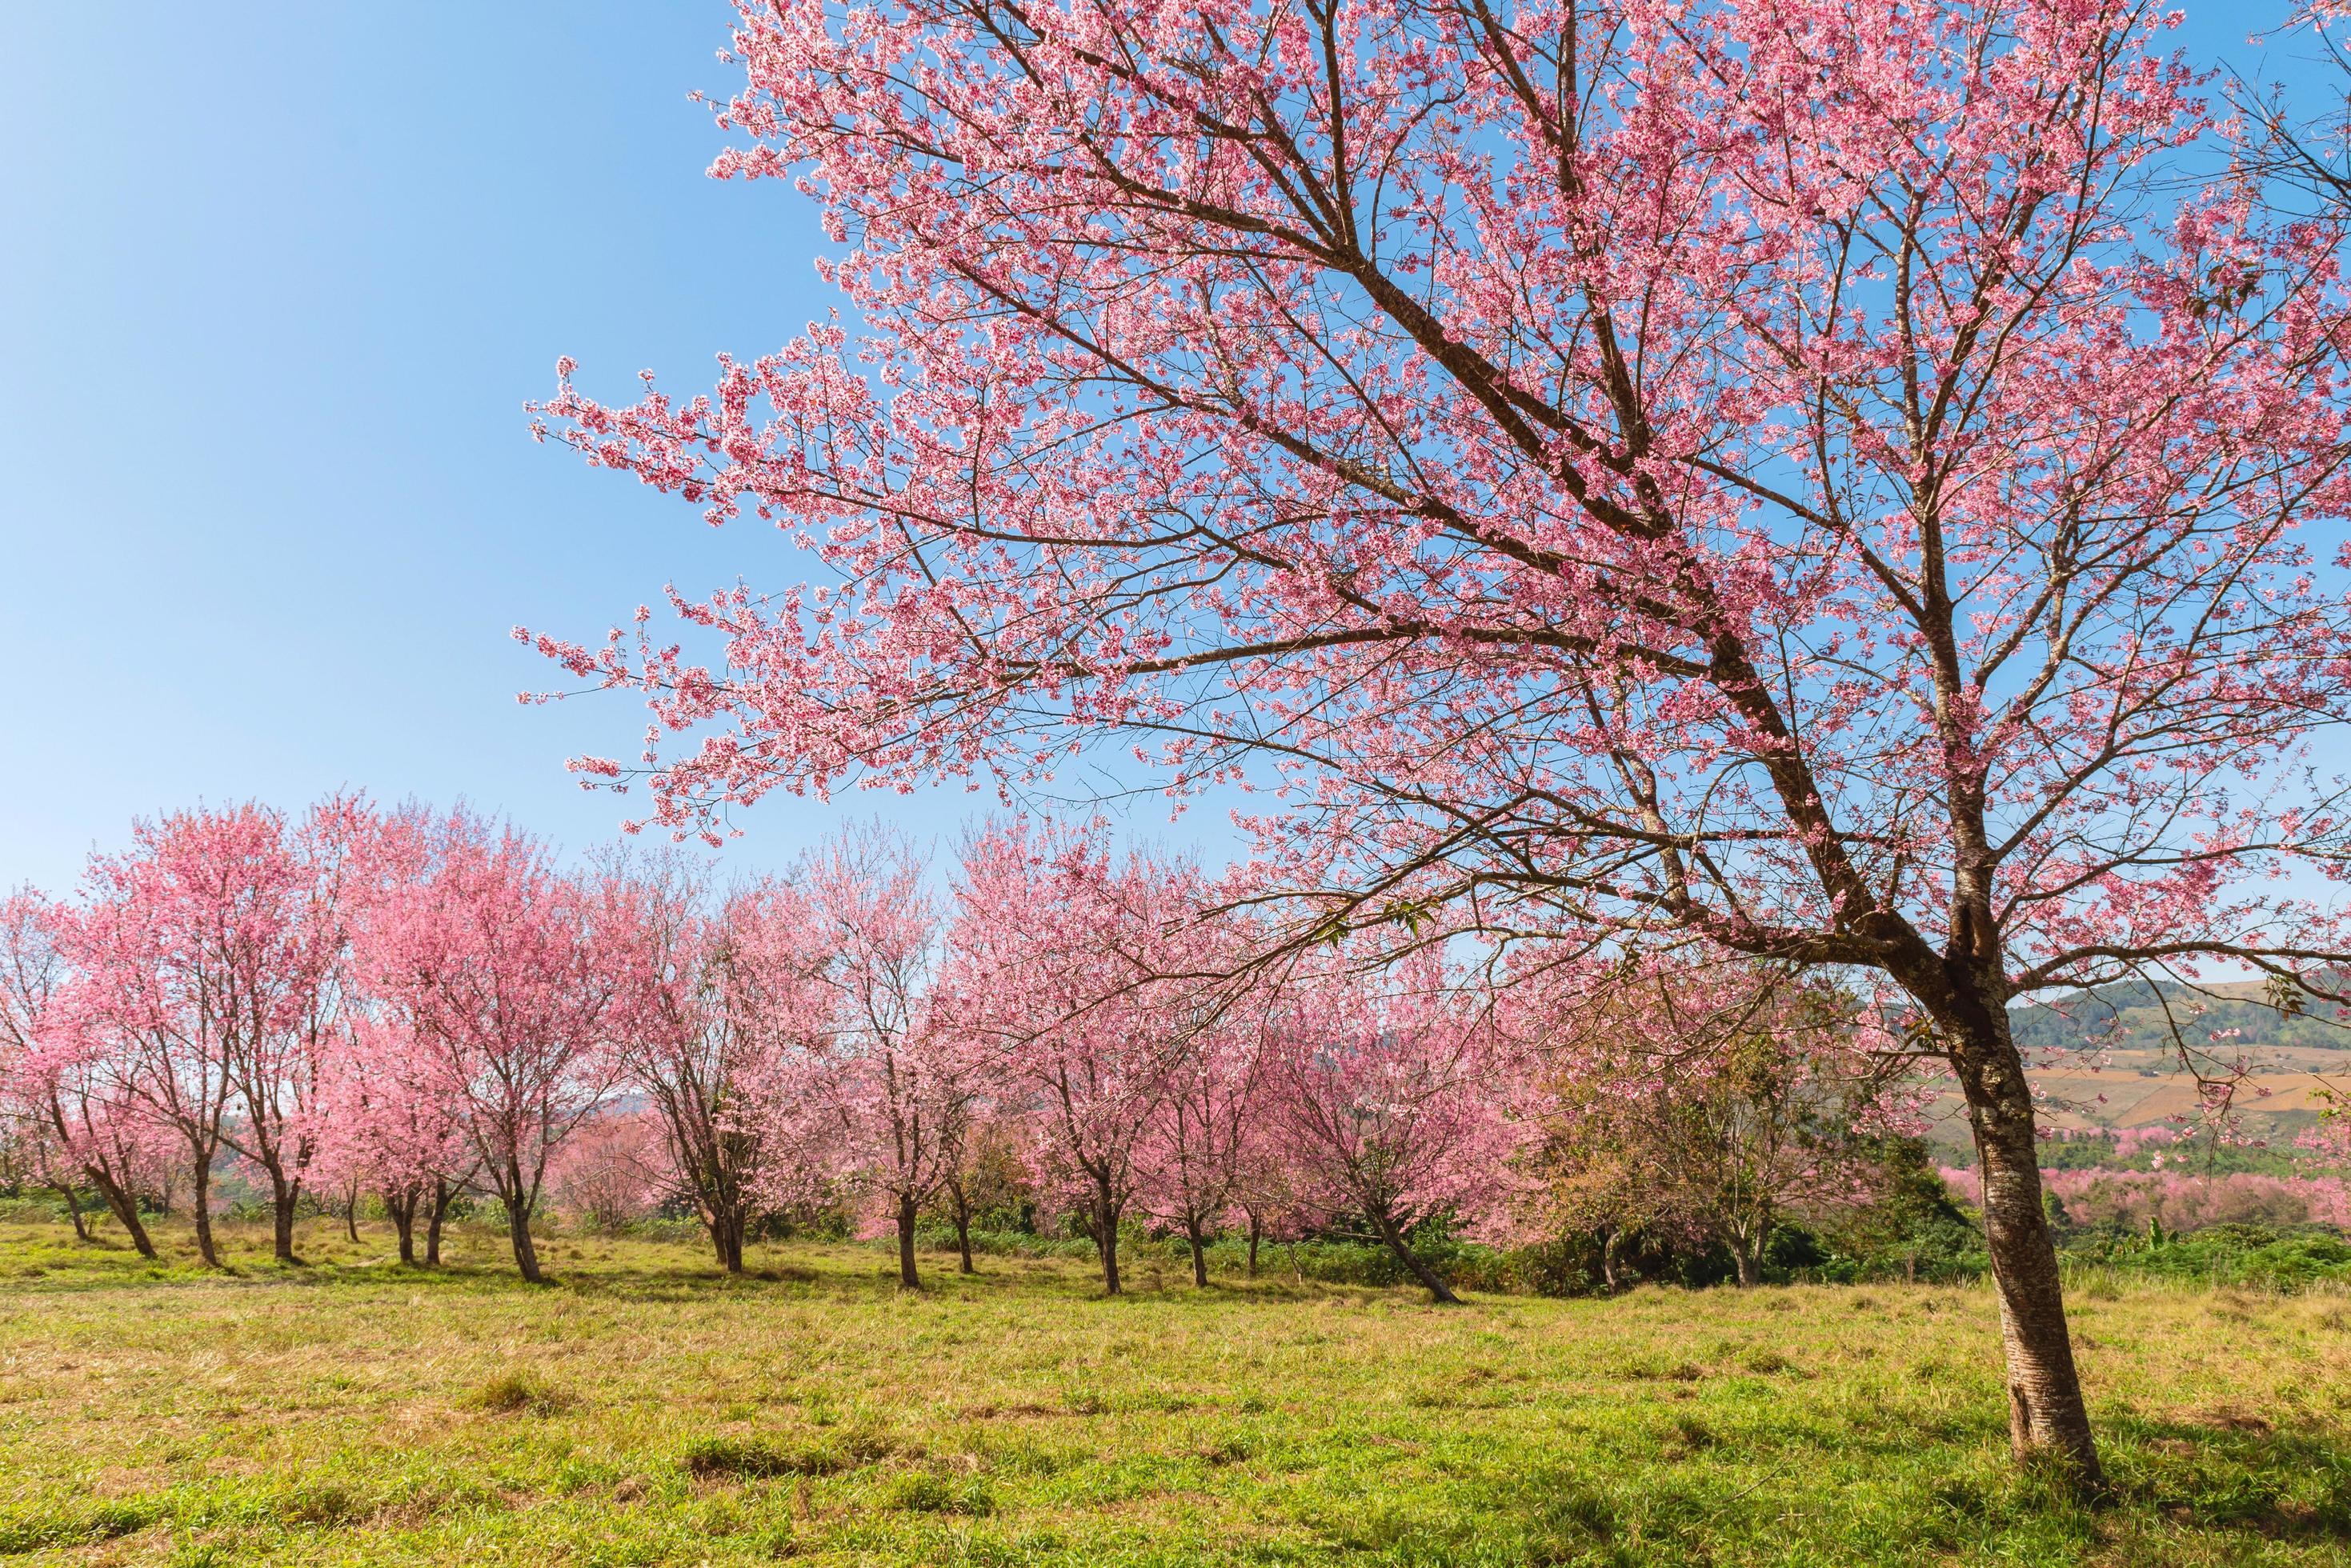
x=641, y=1409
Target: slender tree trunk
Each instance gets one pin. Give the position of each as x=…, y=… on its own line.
x=125, y=1207
x=402, y=1208
x=1393, y=1235
x=1106, y=1237
x=1611, y=1242
x=201, y=1202
x=441, y=1196
x=1200, y=1252
x=73, y=1208
x=283, y=1195
x=351, y=1211
x=1256, y=1227
x=962, y=1230
x=2046, y=1412
x=907, y=1278
x=525, y=1252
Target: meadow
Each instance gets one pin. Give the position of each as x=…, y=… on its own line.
x=642, y=1409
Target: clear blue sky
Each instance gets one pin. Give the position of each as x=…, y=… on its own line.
x=276, y=280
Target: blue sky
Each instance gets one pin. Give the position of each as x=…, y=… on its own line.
x=276, y=280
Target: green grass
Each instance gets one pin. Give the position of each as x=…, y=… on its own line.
x=641, y=1409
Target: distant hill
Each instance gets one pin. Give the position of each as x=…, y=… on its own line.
x=2140, y=1011
x=2129, y=1075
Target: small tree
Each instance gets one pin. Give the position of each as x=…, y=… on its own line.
x=1194, y=1159
x=905, y=1070
x=56, y=1082
x=196, y=966
x=508, y=977
x=1066, y=965
x=1714, y=1118
x=731, y=1010
x=1390, y=1095
x=390, y=1124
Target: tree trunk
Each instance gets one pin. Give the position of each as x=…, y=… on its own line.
x=402, y=1208
x=1747, y=1254
x=1611, y=1242
x=963, y=1232
x=441, y=1196
x=727, y=1239
x=1200, y=1253
x=1106, y=1237
x=2046, y=1413
x=1390, y=1232
x=1255, y=1228
x=525, y=1252
x=125, y=1207
x=351, y=1212
x=282, y=1197
x=201, y=1202
x=73, y=1208
x=908, y=1280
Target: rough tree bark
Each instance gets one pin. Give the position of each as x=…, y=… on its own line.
x=2046, y=1411
x=525, y=1252
x=726, y=1226
x=201, y=1202
x=283, y=1196
x=125, y=1208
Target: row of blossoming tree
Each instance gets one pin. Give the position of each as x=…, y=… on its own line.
x=410, y=1006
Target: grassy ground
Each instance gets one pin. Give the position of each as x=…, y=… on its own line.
x=641, y=1409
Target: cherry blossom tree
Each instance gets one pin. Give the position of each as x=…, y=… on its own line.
x=390, y=1124
x=196, y=962
x=278, y=1071
x=1064, y=966
x=906, y=1069
x=735, y=1006
x=1852, y=481
x=1389, y=1091
x=508, y=978
x=609, y=1172
x=55, y=1080
x=1196, y=1152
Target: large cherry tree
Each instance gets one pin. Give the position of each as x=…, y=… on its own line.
x=1858, y=482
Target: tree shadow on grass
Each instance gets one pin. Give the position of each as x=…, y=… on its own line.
x=2234, y=1472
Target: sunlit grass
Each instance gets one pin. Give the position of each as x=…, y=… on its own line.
x=641, y=1409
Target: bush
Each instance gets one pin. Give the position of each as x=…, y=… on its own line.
x=510, y=1393
x=2270, y=1257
